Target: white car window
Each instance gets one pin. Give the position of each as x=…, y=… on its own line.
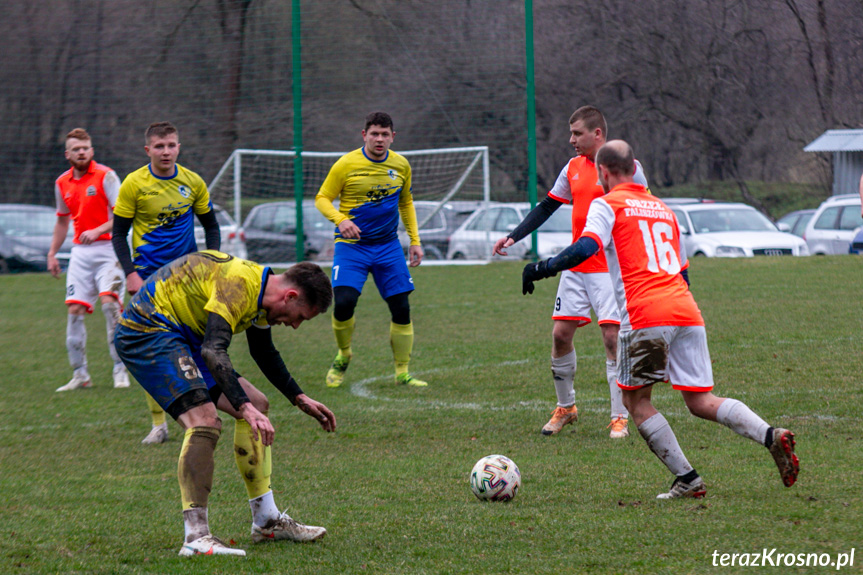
x=850, y=218
x=827, y=219
x=507, y=221
x=484, y=220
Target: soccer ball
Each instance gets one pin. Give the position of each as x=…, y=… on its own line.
x=495, y=478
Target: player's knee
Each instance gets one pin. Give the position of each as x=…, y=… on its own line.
x=400, y=308
x=344, y=302
x=77, y=309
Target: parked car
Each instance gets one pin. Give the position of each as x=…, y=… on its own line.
x=271, y=232
x=26, y=232
x=795, y=222
x=437, y=223
x=831, y=229
x=475, y=238
x=233, y=237
x=731, y=230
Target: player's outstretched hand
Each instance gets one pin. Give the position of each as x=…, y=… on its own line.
x=501, y=245
x=317, y=410
x=534, y=272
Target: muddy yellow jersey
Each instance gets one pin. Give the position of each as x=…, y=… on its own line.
x=181, y=295
x=372, y=194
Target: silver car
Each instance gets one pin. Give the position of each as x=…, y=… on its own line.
x=474, y=239
x=730, y=230
x=233, y=238
x=831, y=229
x=26, y=232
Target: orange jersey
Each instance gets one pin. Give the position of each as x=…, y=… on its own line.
x=90, y=200
x=641, y=238
x=578, y=184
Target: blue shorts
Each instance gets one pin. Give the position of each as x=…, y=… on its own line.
x=167, y=364
x=352, y=264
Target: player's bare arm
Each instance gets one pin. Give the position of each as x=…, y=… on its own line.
x=61, y=228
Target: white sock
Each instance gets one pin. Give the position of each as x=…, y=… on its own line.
x=196, y=523
x=617, y=408
x=662, y=442
x=264, y=509
x=743, y=421
x=111, y=311
x=563, y=371
x=76, y=343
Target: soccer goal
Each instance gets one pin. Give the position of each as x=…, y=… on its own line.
x=448, y=184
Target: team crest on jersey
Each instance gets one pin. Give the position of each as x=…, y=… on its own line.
x=184, y=191
x=392, y=174
x=91, y=190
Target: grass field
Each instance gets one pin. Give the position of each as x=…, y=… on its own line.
x=80, y=494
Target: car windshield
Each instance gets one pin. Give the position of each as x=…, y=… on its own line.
x=24, y=223
x=730, y=220
x=559, y=222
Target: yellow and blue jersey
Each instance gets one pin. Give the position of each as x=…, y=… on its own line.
x=180, y=296
x=162, y=212
x=372, y=194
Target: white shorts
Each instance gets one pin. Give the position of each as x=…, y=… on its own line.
x=93, y=271
x=677, y=354
x=577, y=293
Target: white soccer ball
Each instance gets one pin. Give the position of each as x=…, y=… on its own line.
x=495, y=478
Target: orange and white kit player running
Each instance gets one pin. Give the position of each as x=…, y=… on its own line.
x=662, y=335
x=87, y=192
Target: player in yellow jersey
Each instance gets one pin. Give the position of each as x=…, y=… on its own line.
x=373, y=185
x=174, y=339
x=158, y=202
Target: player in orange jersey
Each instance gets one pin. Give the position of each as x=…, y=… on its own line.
x=584, y=287
x=86, y=193
x=662, y=335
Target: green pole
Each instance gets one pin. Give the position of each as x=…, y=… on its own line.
x=531, y=115
x=296, y=66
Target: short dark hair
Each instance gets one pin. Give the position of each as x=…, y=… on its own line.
x=159, y=130
x=313, y=283
x=592, y=119
x=381, y=119
x=78, y=134
x=617, y=157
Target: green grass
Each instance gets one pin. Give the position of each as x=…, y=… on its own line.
x=80, y=494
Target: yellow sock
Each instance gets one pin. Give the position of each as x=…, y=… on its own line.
x=344, y=332
x=156, y=411
x=253, y=459
x=195, y=467
x=402, y=342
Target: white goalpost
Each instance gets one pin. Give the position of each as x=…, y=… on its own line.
x=440, y=176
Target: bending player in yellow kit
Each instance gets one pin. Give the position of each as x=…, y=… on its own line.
x=174, y=338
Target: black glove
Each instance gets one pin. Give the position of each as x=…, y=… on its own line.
x=534, y=272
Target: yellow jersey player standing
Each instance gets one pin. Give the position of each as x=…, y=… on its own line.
x=158, y=203
x=373, y=185
x=174, y=338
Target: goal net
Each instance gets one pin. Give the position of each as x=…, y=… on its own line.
x=257, y=188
